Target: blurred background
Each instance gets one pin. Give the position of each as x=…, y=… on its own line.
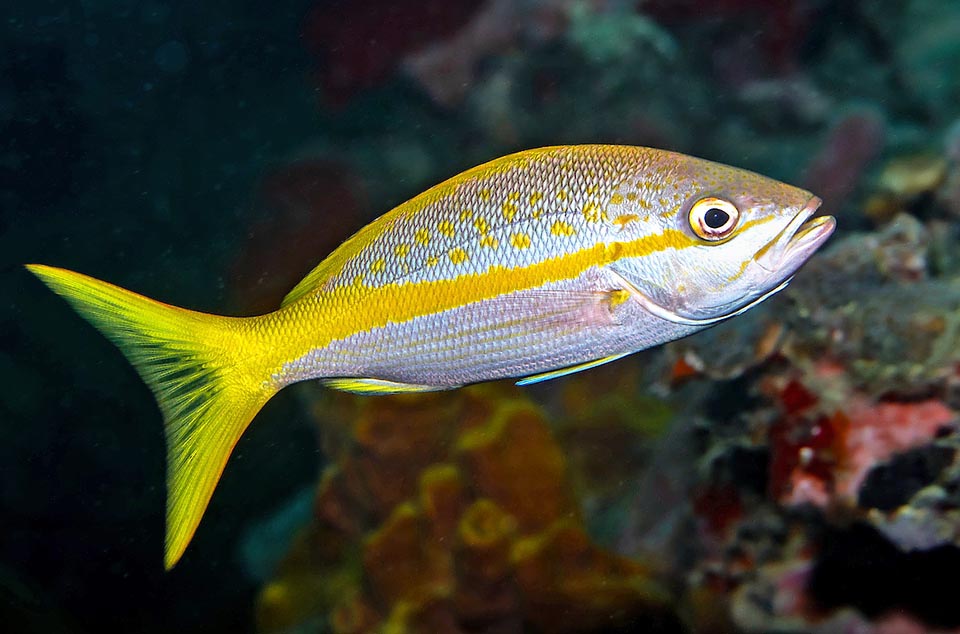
x=793, y=470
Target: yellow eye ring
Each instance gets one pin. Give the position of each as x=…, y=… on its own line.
x=713, y=219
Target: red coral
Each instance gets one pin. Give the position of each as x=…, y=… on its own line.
x=805, y=455
x=795, y=398
x=822, y=458
x=686, y=367
x=720, y=507
x=358, y=44
x=304, y=211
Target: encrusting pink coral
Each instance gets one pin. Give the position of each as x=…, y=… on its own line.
x=822, y=457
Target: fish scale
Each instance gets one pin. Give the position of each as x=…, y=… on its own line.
x=531, y=266
x=484, y=191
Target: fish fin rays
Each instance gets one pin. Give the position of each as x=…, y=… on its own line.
x=208, y=393
x=556, y=374
x=380, y=386
x=552, y=307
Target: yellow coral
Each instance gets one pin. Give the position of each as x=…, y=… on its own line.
x=448, y=510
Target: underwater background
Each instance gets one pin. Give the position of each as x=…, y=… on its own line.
x=793, y=470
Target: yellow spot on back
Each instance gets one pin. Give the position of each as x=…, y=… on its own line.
x=631, y=196
x=476, y=183
x=535, y=198
x=592, y=189
x=592, y=212
x=561, y=228
x=423, y=236
x=509, y=211
x=432, y=260
x=481, y=224
x=616, y=199
x=402, y=250
x=457, y=255
x=520, y=240
x=624, y=220
x=489, y=241
x=466, y=215
x=513, y=196
x=562, y=194
x=378, y=265
x=446, y=228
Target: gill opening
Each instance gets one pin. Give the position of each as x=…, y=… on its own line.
x=666, y=314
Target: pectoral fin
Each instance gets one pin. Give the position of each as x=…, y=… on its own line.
x=485, y=341
x=381, y=386
x=555, y=374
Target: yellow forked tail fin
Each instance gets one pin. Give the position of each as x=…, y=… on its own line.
x=206, y=372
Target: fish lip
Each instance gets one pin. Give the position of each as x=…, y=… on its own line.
x=798, y=240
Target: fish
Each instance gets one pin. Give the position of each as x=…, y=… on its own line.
x=531, y=267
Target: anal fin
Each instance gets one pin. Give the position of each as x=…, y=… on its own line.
x=555, y=374
x=380, y=386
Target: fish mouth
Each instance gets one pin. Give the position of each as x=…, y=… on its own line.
x=798, y=240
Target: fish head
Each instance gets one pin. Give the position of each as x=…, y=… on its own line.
x=719, y=239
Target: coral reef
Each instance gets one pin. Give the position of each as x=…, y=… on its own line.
x=816, y=467
x=824, y=459
x=453, y=513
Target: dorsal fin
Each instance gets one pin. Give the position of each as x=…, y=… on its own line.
x=319, y=273
x=335, y=261
x=341, y=257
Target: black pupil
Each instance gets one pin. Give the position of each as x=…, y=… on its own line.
x=716, y=218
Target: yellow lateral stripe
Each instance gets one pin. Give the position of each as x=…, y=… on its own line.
x=401, y=302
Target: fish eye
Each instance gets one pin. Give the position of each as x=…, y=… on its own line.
x=713, y=218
